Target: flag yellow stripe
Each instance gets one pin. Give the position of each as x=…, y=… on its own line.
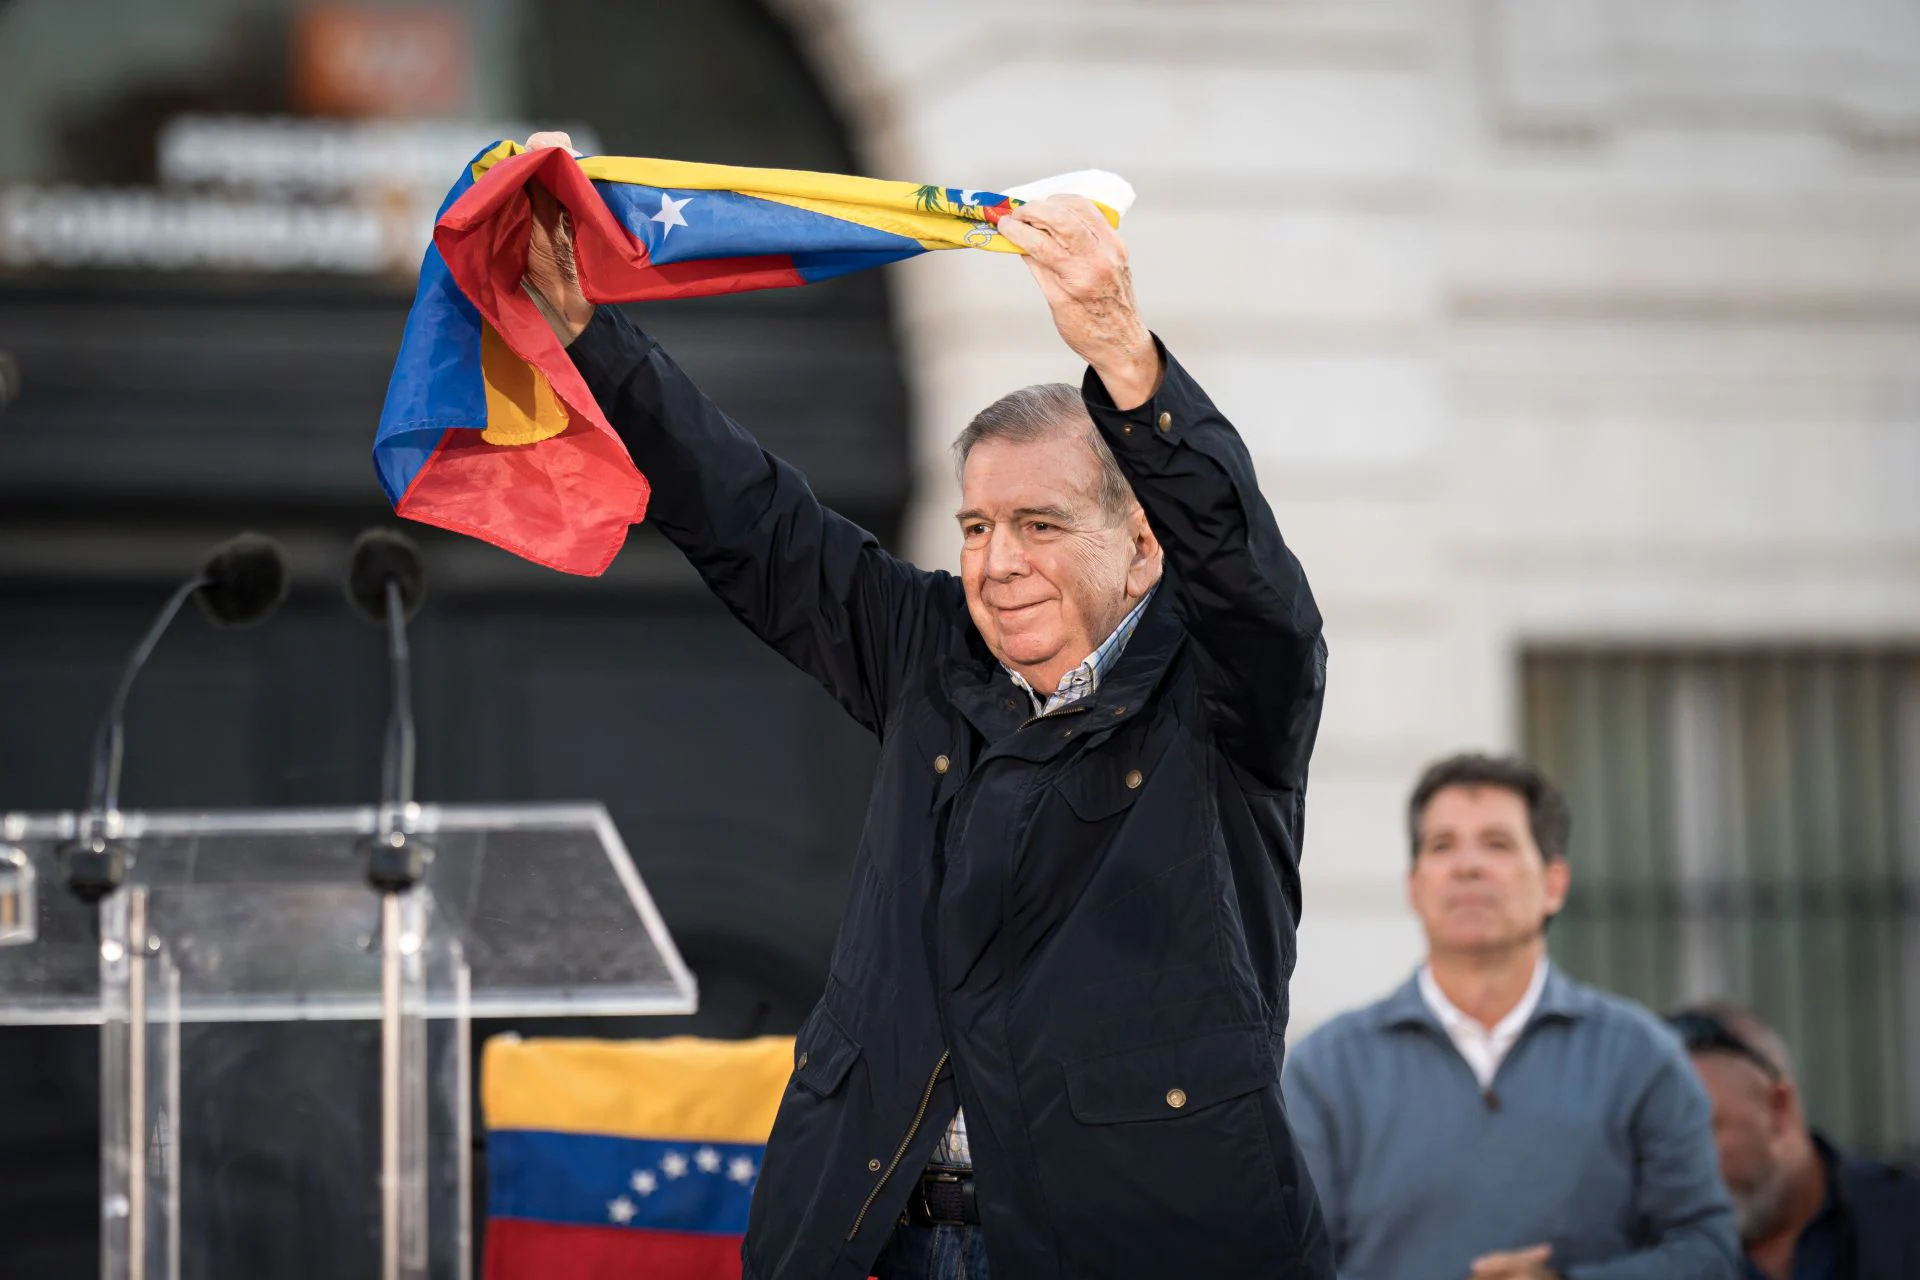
x=932, y=230
x=678, y=1089
x=874, y=202
x=522, y=406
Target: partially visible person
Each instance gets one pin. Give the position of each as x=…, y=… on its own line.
x=1807, y=1211
x=1493, y=1117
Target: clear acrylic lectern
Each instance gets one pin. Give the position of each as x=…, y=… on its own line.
x=237, y=979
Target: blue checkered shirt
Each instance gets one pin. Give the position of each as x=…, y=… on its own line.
x=1075, y=685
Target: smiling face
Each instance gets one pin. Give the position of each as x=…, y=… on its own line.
x=1049, y=572
x=1479, y=882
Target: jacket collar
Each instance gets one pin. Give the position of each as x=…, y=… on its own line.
x=980, y=688
x=1561, y=1000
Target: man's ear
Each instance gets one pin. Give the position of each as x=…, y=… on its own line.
x=1559, y=877
x=1143, y=570
x=1783, y=1106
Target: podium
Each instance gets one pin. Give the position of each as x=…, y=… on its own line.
x=240, y=977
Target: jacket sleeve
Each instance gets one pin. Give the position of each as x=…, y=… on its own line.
x=1316, y=1130
x=1678, y=1190
x=807, y=581
x=1243, y=595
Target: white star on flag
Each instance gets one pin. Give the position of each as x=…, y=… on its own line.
x=708, y=1159
x=669, y=214
x=644, y=1182
x=674, y=1165
x=740, y=1169
x=621, y=1210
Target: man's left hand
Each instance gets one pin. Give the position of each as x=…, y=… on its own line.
x=1521, y=1264
x=1081, y=265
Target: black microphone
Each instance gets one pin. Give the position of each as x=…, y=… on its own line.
x=241, y=581
x=386, y=584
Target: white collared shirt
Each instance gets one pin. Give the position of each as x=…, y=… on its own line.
x=1483, y=1048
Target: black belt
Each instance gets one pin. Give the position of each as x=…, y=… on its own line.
x=943, y=1198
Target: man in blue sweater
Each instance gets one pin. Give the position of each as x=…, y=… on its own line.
x=1493, y=1118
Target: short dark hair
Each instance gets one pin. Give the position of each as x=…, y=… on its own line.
x=1547, y=812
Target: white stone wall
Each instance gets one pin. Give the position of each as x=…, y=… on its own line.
x=1543, y=318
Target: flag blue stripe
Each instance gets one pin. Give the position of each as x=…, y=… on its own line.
x=727, y=224
x=825, y=266
x=594, y=1180
x=436, y=380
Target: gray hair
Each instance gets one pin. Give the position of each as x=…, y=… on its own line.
x=1042, y=412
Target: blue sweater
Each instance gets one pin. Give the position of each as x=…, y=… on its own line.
x=1595, y=1138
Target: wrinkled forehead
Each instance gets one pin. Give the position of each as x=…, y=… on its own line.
x=1058, y=470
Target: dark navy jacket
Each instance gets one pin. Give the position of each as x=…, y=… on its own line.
x=1869, y=1227
x=1080, y=926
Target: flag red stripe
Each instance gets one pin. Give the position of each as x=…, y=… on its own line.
x=574, y=519
x=517, y=1249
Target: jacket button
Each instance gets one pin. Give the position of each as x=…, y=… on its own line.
x=1176, y=1098
x=1134, y=779
x=1166, y=421
x=941, y=764
x=803, y=1063
x=873, y=1166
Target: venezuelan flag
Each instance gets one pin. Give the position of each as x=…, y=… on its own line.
x=613, y=1159
x=488, y=430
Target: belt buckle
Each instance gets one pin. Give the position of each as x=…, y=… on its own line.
x=926, y=1206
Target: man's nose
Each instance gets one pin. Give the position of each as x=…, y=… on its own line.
x=1005, y=557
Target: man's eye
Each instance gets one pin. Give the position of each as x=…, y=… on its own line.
x=1040, y=526
x=973, y=530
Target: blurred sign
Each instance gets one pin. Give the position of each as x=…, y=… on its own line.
x=352, y=61
x=242, y=193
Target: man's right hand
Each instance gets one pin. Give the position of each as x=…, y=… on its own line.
x=551, y=277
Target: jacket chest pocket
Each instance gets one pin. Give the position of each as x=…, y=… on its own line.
x=1169, y=1080
x=1101, y=787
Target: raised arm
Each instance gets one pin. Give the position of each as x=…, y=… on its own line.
x=812, y=584
x=1243, y=594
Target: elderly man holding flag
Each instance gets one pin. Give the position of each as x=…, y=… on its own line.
x=1051, y=1038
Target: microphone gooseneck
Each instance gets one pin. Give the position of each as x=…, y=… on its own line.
x=242, y=581
x=386, y=584
x=397, y=770
x=109, y=744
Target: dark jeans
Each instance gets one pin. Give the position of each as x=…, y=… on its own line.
x=933, y=1253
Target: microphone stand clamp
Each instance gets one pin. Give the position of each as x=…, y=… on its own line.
x=396, y=860
x=96, y=862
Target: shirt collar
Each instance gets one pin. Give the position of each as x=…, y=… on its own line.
x=1452, y=1018
x=1085, y=678
x=1561, y=998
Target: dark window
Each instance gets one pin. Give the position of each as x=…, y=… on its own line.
x=1747, y=824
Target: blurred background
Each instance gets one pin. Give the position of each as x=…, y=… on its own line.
x=1575, y=340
